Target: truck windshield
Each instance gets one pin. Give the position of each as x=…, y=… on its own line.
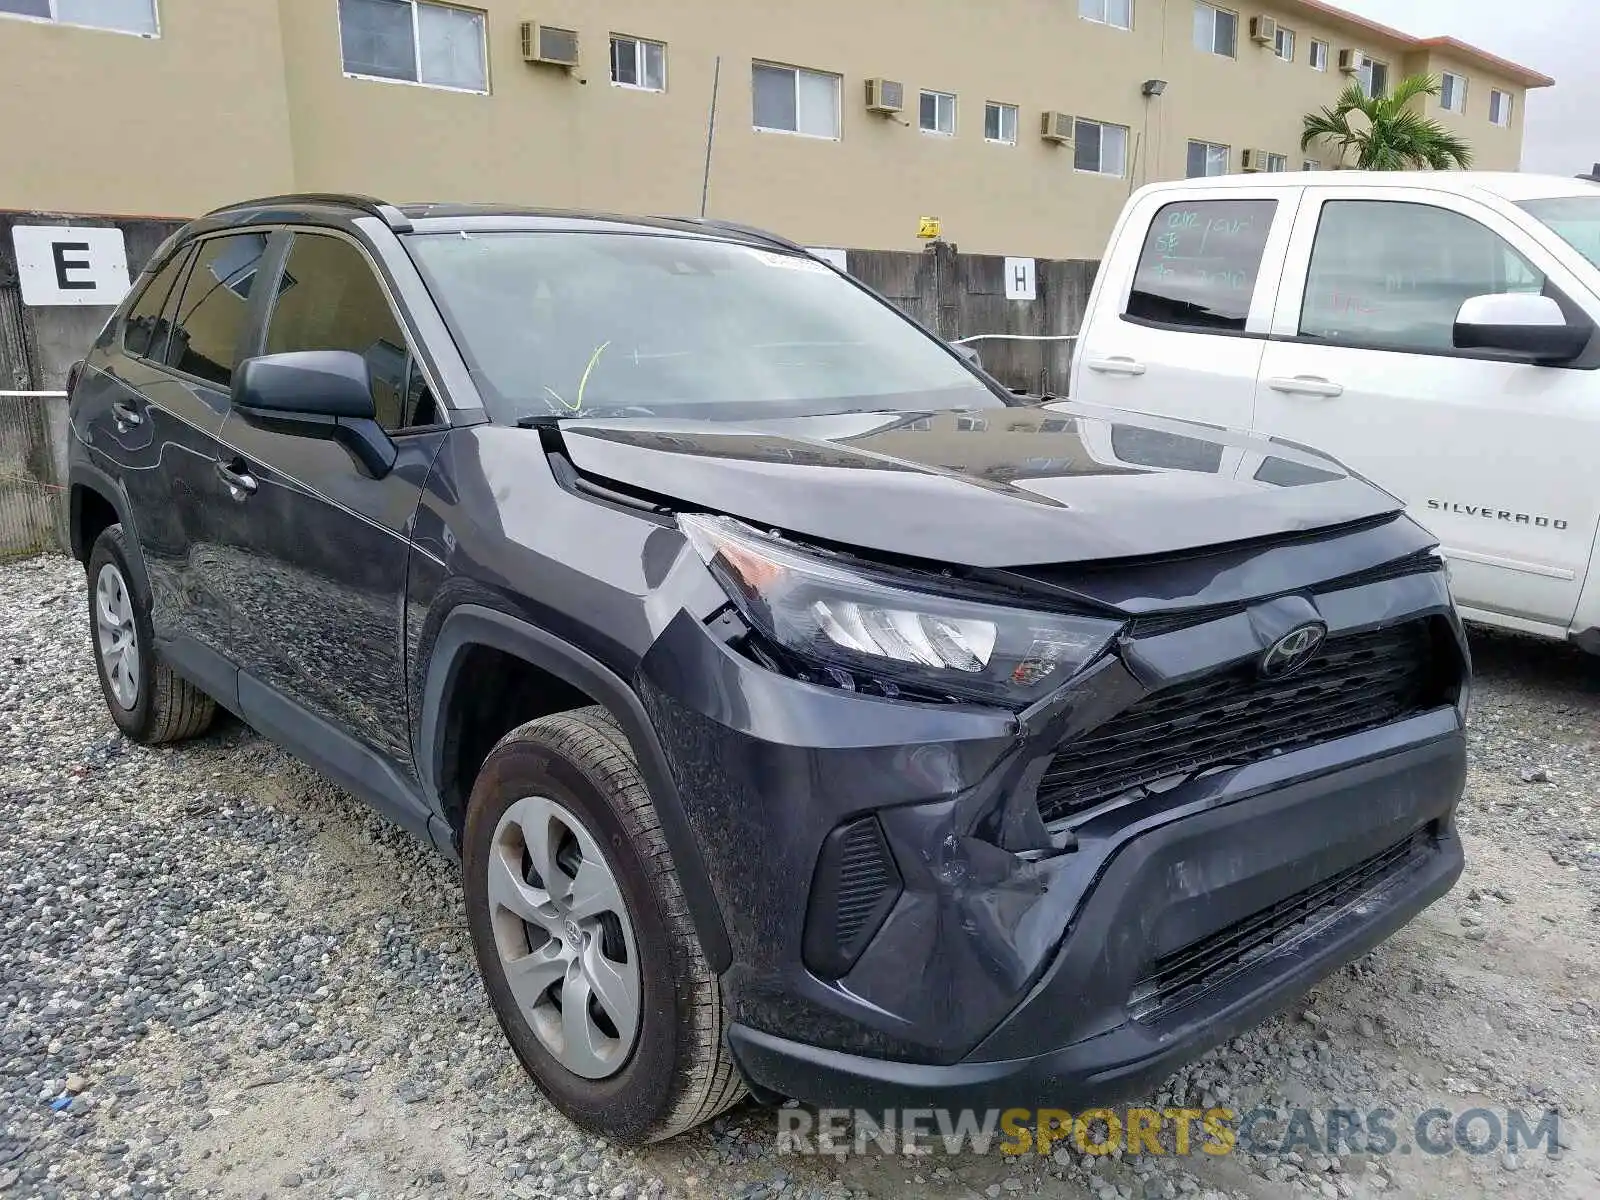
x=562, y=323
x=1575, y=218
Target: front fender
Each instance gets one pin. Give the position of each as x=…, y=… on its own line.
x=469, y=625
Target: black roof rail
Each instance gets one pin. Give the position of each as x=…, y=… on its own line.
x=387, y=213
x=751, y=231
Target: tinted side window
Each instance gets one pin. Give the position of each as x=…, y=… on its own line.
x=215, y=305
x=1199, y=264
x=330, y=299
x=1392, y=275
x=144, y=324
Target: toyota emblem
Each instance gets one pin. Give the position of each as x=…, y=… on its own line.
x=1292, y=651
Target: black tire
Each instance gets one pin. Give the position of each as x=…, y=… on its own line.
x=167, y=708
x=679, y=1073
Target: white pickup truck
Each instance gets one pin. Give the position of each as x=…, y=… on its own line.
x=1436, y=332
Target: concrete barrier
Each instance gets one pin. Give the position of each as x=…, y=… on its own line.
x=38, y=345
x=33, y=428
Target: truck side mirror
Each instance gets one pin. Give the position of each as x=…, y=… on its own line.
x=1522, y=325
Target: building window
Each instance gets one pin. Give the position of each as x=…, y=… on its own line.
x=1100, y=148
x=1277, y=162
x=938, y=113
x=1207, y=158
x=636, y=63
x=123, y=16
x=1108, y=12
x=1374, y=77
x=792, y=100
x=1283, y=44
x=1500, y=108
x=1319, y=56
x=414, y=41
x=1000, y=123
x=1311, y=164
x=1215, y=30
x=1453, y=92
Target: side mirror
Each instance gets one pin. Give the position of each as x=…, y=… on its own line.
x=323, y=394
x=1520, y=324
x=970, y=353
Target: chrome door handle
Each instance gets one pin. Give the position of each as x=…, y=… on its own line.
x=1306, y=385
x=241, y=484
x=126, y=414
x=1117, y=364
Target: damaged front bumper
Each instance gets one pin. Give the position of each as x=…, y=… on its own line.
x=1381, y=827
x=906, y=928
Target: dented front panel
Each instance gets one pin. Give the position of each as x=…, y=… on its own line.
x=991, y=895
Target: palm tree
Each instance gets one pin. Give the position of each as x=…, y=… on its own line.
x=1393, y=136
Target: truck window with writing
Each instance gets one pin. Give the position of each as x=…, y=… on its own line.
x=1392, y=274
x=1199, y=264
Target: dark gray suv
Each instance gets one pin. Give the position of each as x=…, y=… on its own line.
x=810, y=715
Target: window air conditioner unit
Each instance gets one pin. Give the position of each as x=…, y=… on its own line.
x=1056, y=127
x=1254, y=160
x=1351, y=61
x=1264, y=31
x=547, y=44
x=885, y=96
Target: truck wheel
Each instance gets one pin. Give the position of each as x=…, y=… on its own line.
x=583, y=938
x=149, y=701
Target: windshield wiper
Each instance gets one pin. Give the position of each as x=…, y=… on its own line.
x=607, y=413
x=545, y=420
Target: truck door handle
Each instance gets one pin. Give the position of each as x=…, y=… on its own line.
x=241, y=484
x=1117, y=364
x=1306, y=385
x=126, y=414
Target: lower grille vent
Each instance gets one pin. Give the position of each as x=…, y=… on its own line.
x=1177, y=978
x=855, y=887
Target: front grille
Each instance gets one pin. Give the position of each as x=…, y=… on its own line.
x=1355, y=682
x=1182, y=976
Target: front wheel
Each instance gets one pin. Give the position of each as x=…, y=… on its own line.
x=583, y=938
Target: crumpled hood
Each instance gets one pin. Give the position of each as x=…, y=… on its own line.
x=1004, y=487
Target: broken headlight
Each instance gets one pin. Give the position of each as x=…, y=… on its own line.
x=843, y=617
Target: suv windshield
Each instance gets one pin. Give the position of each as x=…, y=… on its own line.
x=1575, y=218
x=624, y=324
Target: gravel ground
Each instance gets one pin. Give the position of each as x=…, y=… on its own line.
x=221, y=976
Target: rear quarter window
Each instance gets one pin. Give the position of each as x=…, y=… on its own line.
x=1199, y=264
x=145, y=326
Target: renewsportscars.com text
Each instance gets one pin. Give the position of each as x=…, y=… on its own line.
x=1167, y=1131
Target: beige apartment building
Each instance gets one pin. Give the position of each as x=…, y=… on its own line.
x=169, y=107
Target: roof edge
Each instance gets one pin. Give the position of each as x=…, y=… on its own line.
x=1516, y=72
x=1526, y=76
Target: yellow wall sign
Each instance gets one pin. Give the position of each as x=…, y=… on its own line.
x=929, y=227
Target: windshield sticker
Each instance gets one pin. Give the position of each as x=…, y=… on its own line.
x=791, y=262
